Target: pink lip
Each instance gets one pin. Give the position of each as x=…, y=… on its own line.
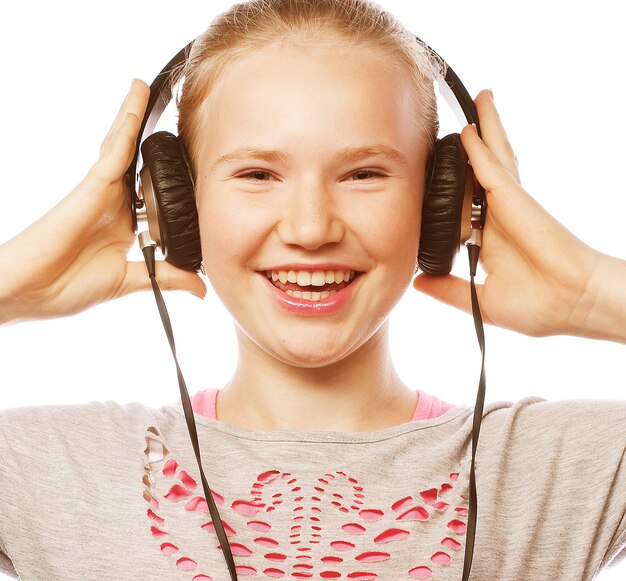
x=309, y=308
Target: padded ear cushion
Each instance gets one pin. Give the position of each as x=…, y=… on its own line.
x=440, y=236
x=166, y=159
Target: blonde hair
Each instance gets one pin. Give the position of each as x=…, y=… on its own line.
x=250, y=26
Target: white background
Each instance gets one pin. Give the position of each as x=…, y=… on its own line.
x=557, y=71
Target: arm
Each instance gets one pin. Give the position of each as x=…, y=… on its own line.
x=541, y=279
x=75, y=256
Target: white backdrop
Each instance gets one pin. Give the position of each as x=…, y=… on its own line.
x=556, y=69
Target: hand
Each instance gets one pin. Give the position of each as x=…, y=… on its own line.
x=75, y=256
x=541, y=280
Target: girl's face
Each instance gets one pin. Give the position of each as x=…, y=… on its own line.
x=309, y=188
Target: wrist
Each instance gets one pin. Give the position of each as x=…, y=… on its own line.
x=10, y=305
x=601, y=312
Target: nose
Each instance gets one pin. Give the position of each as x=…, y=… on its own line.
x=310, y=218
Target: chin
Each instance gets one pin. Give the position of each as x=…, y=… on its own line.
x=311, y=355
x=309, y=360
x=312, y=363
x=319, y=350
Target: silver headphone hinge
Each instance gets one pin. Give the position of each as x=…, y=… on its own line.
x=145, y=240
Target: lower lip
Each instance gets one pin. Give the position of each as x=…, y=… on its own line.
x=326, y=306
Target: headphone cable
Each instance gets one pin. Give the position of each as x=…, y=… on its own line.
x=148, y=253
x=473, y=253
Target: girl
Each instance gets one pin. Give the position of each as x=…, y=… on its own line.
x=324, y=463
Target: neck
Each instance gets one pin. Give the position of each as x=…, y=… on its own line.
x=362, y=392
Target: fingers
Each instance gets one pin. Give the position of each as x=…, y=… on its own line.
x=494, y=135
x=135, y=103
x=114, y=162
x=118, y=147
x=512, y=212
x=169, y=278
x=488, y=169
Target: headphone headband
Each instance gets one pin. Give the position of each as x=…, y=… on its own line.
x=160, y=97
x=452, y=90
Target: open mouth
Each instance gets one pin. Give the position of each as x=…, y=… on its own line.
x=310, y=285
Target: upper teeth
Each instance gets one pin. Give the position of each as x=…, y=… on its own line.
x=308, y=278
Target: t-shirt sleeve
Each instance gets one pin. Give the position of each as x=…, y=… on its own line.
x=6, y=566
x=555, y=476
x=64, y=469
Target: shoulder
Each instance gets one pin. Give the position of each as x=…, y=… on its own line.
x=74, y=447
x=73, y=414
x=539, y=462
x=52, y=427
x=589, y=417
x=583, y=439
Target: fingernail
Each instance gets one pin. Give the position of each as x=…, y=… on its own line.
x=491, y=94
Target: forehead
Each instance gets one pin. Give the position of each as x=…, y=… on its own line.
x=291, y=91
x=328, y=64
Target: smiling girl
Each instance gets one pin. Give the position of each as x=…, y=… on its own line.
x=309, y=126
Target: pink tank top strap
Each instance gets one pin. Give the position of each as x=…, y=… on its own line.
x=428, y=406
x=204, y=403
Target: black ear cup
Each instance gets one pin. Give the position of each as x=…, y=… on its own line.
x=170, y=175
x=442, y=208
x=169, y=172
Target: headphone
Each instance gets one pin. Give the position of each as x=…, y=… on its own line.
x=163, y=191
x=163, y=194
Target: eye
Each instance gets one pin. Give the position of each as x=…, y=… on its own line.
x=256, y=175
x=366, y=174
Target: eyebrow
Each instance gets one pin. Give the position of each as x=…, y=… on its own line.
x=349, y=154
x=269, y=155
x=357, y=153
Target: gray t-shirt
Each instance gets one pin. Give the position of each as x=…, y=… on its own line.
x=109, y=491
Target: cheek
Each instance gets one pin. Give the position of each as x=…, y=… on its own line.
x=222, y=248
x=395, y=230
x=231, y=232
x=224, y=227
x=218, y=223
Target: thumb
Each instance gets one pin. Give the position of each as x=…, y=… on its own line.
x=449, y=289
x=169, y=278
